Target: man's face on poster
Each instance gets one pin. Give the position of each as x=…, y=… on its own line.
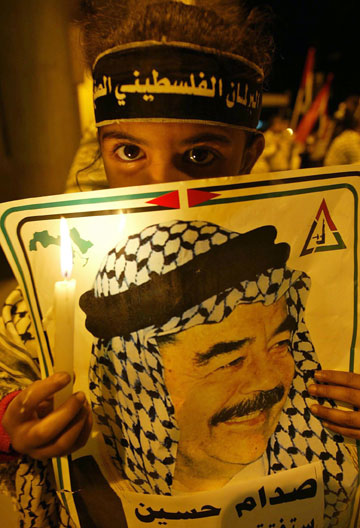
x=228, y=382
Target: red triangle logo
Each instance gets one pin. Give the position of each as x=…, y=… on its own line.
x=323, y=235
x=170, y=200
x=196, y=197
x=323, y=208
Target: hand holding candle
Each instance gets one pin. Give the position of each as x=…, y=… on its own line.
x=34, y=427
x=64, y=306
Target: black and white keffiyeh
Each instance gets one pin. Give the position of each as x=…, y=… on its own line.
x=129, y=395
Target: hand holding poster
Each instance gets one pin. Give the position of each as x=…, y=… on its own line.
x=201, y=337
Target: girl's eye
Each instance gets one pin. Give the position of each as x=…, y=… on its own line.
x=129, y=152
x=200, y=156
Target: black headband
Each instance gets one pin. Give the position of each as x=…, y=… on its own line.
x=154, y=81
x=165, y=296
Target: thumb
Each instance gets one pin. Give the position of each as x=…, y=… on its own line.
x=26, y=403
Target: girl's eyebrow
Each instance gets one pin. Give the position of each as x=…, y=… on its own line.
x=206, y=137
x=113, y=134
x=202, y=137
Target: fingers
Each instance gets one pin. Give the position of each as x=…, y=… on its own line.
x=344, y=431
x=55, y=422
x=44, y=408
x=27, y=401
x=350, y=419
x=337, y=377
x=86, y=430
x=70, y=439
x=344, y=387
x=346, y=423
x=337, y=385
x=336, y=392
x=37, y=430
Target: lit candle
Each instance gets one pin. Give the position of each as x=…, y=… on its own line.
x=64, y=306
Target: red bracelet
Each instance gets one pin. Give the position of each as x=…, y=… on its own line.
x=6, y=451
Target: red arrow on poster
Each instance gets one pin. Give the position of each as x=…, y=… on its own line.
x=196, y=197
x=170, y=200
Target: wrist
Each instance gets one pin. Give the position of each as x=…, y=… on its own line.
x=6, y=451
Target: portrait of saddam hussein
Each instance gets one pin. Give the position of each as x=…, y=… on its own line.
x=201, y=360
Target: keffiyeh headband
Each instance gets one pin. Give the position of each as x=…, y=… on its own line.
x=129, y=395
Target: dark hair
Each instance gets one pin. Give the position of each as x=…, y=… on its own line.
x=226, y=25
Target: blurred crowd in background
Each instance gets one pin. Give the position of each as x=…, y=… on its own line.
x=334, y=140
x=306, y=135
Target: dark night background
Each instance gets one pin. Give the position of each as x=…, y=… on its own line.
x=332, y=27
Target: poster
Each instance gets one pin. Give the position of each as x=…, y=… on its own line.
x=250, y=281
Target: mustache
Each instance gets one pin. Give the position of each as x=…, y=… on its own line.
x=262, y=401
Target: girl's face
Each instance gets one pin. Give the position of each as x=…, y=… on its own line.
x=144, y=153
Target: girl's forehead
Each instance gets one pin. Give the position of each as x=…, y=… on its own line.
x=183, y=132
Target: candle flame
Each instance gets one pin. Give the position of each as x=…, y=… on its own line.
x=66, y=256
